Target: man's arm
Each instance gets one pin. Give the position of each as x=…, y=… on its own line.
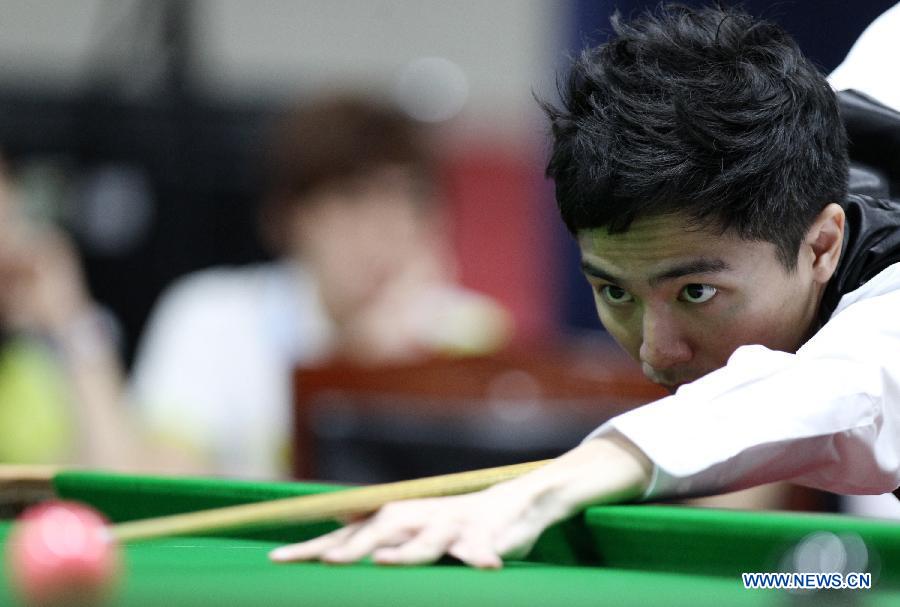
x=482, y=528
x=828, y=416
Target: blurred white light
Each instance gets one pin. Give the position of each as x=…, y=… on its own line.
x=116, y=209
x=432, y=89
x=857, y=553
x=820, y=552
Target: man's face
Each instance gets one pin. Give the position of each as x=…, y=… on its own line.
x=680, y=300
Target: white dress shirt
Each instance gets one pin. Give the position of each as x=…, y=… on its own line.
x=864, y=70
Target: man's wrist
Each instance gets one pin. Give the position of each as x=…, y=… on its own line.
x=608, y=469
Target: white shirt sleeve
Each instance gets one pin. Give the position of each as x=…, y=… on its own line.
x=827, y=417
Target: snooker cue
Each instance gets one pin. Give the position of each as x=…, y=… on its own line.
x=317, y=507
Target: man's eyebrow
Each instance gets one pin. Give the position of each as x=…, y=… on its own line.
x=697, y=266
x=595, y=272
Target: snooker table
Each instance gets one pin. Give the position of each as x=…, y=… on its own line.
x=610, y=555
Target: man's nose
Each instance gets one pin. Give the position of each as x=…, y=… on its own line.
x=664, y=344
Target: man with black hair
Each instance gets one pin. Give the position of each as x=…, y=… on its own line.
x=700, y=161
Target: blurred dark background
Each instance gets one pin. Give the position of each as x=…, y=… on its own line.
x=152, y=158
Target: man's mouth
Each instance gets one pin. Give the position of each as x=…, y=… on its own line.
x=671, y=384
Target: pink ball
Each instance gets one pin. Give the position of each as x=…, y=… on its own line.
x=60, y=553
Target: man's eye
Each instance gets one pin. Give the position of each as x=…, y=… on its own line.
x=615, y=295
x=698, y=293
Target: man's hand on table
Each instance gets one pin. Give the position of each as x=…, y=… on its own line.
x=482, y=528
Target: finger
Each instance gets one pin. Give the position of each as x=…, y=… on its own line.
x=426, y=547
x=476, y=551
x=517, y=542
x=311, y=549
x=371, y=535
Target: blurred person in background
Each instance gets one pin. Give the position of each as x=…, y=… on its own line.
x=363, y=272
x=60, y=375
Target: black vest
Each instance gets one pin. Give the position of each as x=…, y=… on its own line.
x=871, y=244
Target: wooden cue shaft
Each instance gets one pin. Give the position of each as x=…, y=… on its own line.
x=27, y=472
x=322, y=506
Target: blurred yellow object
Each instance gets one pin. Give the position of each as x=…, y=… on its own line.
x=454, y=322
x=35, y=421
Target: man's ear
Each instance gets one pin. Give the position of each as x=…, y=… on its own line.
x=824, y=238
